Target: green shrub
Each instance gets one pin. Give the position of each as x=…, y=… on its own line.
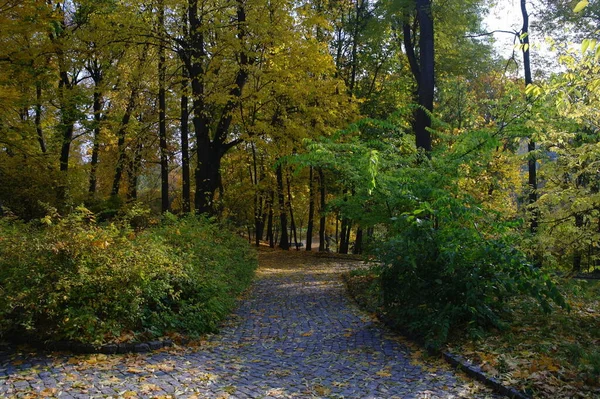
x=73, y=279
x=442, y=273
x=219, y=265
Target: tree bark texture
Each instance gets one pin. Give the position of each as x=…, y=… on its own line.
x=422, y=69
x=322, y=220
x=162, y=113
x=532, y=162
x=97, y=107
x=38, y=117
x=311, y=209
x=292, y=220
x=284, y=242
x=185, y=146
x=210, y=148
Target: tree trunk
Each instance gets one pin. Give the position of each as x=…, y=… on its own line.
x=343, y=247
x=292, y=221
x=67, y=111
x=162, y=115
x=258, y=202
x=596, y=246
x=133, y=172
x=67, y=124
x=38, y=117
x=423, y=70
x=311, y=210
x=131, y=103
x=322, y=220
x=358, y=243
x=284, y=242
x=121, y=142
x=270, y=221
x=354, y=48
x=97, y=107
x=348, y=231
x=212, y=147
x=185, y=146
x=337, y=233
x=577, y=255
x=427, y=75
x=532, y=162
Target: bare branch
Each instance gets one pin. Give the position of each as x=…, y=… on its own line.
x=508, y=32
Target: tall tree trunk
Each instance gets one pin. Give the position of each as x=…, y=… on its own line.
x=284, y=242
x=121, y=142
x=337, y=233
x=258, y=202
x=292, y=221
x=97, y=107
x=311, y=209
x=270, y=221
x=358, y=243
x=67, y=123
x=38, y=117
x=577, y=255
x=532, y=162
x=596, y=246
x=212, y=147
x=126, y=118
x=354, y=48
x=265, y=215
x=423, y=69
x=162, y=109
x=185, y=146
x=133, y=172
x=348, y=231
x=427, y=82
x=322, y=220
x=343, y=247
x=345, y=231
x=68, y=110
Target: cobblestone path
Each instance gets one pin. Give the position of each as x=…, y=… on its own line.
x=296, y=335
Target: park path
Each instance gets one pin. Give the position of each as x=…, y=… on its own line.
x=295, y=335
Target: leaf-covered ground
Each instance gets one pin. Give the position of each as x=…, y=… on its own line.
x=546, y=355
x=296, y=334
x=549, y=356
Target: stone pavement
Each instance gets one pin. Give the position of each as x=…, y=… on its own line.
x=296, y=335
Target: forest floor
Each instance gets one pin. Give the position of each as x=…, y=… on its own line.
x=554, y=355
x=296, y=334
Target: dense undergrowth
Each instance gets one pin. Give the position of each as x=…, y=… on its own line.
x=71, y=278
x=439, y=274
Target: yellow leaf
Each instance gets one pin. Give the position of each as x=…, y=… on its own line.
x=166, y=367
x=581, y=5
x=47, y=392
x=147, y=388
x=134, y=370
x=384, y=373
x=584, y=45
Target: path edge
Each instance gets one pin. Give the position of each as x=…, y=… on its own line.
x=78, y=348
x=455, y=360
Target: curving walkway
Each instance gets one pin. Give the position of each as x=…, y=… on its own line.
x=296, y=335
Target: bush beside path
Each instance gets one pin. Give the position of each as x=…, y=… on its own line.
x=296, y=334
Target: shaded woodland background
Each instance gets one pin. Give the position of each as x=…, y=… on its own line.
x=386, y=127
